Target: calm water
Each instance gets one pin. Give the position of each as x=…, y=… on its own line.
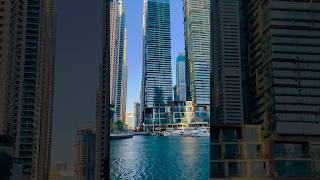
x=154, y=157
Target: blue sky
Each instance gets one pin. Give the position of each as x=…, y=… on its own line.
x=134, y=12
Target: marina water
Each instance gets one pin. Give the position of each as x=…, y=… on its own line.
x=158, y=157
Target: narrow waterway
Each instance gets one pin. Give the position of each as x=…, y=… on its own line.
x=157, y=158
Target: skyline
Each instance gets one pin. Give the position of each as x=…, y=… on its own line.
x=79, y=50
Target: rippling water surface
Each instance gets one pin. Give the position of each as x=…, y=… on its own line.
x=157, y=158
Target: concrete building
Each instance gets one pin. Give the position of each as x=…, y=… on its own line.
x=281, y=58
x=181, y=78
x=156, y=84
x=84, y=166
x=118, y=57
x=26, y=83
x=226, y=63
x=197, y=50
x=103, y=114
x=239, y=152
x=11, y=45
x=279, y=55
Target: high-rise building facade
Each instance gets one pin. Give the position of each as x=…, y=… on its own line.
x=281, y=46
x=136, y=114
x=27, y=63
x=226, y=63
x=124, y=81
x=84, y=166
x=11, y=55
x=181, y=78
x=156, y=84
x=279, y=58
x=197, y=50
x=103, y=111
x=117, y=57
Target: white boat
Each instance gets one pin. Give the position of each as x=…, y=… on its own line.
x=193, y=133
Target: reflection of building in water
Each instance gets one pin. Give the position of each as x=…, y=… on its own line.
x=177, y=114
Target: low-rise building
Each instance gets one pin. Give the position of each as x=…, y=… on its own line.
x=177, y=114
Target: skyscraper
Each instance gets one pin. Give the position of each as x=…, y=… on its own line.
x=238, y=149
x=156, y=84
x=11, y=56
x=103, y=113
x=181, y=78
x=85, y=155
x=281, y=46
x=197, y=50
x=136, y=113
x=117, y=57
x=27, y=62
x=226, y=63
x=124, y=81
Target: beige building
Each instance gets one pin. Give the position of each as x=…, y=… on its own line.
x=130, y=121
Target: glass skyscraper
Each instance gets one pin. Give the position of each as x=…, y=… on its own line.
x=181, y=78
x=156, y=85
x=197, y=49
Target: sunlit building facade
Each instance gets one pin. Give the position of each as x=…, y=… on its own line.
x=176, y=114
x=197, y=50
x=118, y=57
x=156, y=84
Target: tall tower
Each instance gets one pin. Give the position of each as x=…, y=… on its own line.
x=11, y=56
x=27, y=62
x=281, y=46
x=117, y=56
x=181, y=78
x=197, y=49
x=124, y=81
x=103, y=115
x=226, y=63
x=136, y=113
x=85, y=155
x=156, y=85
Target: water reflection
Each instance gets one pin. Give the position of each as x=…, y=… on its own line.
x=150, y=157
